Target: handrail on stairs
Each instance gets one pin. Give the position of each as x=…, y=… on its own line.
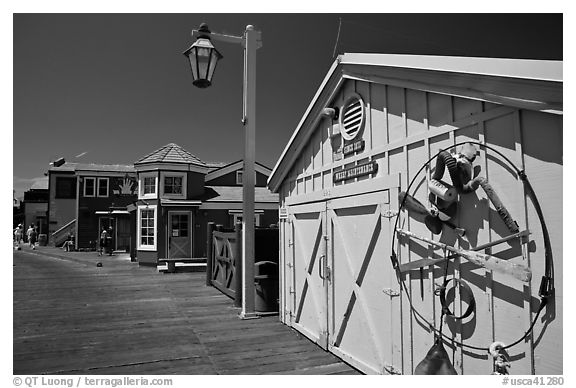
x=64, y=228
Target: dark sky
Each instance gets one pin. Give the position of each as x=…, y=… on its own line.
x=116, y=86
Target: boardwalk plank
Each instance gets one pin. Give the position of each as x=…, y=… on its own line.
x=71, y=317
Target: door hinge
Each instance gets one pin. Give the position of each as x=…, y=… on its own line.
x=289, y=265
x=389, y=213
x=290, y=243
x=291, y=291
x=390, y=292
x=390, y=369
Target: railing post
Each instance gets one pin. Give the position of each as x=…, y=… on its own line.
x=209, y=252
x=238, y=265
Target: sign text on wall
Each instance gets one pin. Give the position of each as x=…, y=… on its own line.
x=357, y=146
x=356, y=171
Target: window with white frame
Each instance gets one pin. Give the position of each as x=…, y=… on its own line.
x=173, y=185
x=148, y=185
x=89, y=187
x=147, y=228
x=102, y=187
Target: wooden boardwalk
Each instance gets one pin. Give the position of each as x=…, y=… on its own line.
x=72, y=317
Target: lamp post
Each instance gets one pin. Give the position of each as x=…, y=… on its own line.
x=203, y=58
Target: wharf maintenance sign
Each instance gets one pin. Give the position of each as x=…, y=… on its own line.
x=356, y=171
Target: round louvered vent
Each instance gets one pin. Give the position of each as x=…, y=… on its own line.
x=352, y=117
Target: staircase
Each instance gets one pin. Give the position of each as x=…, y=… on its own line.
x=58, y=237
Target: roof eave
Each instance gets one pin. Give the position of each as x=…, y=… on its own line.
x=550, y=74
x=277, y=173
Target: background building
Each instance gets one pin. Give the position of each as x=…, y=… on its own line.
x=35, y=206
x=84, y=198
x=179, y=194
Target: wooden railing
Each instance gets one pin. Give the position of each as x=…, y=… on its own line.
x=224, y=256
x=222, y=259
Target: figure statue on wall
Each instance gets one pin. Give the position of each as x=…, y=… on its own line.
x=460, y=168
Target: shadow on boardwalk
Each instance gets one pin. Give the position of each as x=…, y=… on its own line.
x=72, y=317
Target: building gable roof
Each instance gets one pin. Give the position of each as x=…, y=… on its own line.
x=521, y=83
x=171, y=153
x=234, y=194
x=235, y=166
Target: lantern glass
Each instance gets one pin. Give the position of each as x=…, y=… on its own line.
x=203, y=58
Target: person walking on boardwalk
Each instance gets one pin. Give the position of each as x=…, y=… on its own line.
x=110, y=242
x=18, y=232
x=103, y=242
x=32, y=235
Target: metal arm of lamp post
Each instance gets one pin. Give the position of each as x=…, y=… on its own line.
x=250, y=41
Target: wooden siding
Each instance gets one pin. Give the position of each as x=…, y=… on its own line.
x=60, y=210
x=195, y=184
x=87, y=222
x=404, y=128
x=71, y=317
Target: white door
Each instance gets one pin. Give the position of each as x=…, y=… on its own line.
x=360, y=326
x=307, y=279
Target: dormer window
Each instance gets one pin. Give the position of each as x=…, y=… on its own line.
x=173, y=184
x=147, y=185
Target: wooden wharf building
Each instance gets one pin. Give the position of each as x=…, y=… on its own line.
x=84, y=198
x=158, y=207
x=179, y=194
x=354, y=281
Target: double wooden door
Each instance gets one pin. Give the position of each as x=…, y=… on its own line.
x=338, y=269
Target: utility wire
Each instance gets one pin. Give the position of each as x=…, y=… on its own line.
x=337, y=38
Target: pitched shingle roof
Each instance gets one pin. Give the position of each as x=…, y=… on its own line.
x=71, y=166
x=234, y=194
x=171, y=153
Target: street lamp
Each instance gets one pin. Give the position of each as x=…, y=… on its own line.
x=203, y=58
